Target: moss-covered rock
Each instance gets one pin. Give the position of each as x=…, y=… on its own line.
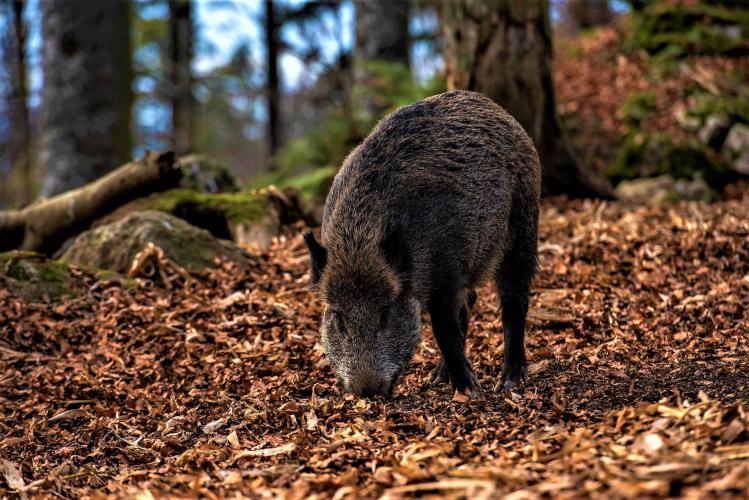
x=645, y=155
x=703, y=28
x=734, y=107
x=36, y=277
x=631, y=161
x=113, y=246
x=215, y=212
x=206, y=174
x=664, y=189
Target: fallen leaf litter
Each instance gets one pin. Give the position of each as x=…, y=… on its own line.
x=214, y=384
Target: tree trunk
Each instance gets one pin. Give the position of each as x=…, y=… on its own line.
x=180, y=75
x=502, y=48
x=584, y=14
x=382, y=30
x=86, y=94
x=381, y=36
x=45, y=225
x=19, y=105
x=272, y=82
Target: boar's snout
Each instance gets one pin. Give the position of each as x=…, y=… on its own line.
x=368, y=385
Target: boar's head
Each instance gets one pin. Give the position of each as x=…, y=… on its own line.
x=371, y=324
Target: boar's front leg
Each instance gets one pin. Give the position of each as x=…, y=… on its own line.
x=445, y=310
x=440, y=375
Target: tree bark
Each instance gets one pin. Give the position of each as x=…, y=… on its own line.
x=19, y=105
x=272, y=83
x=44, y=226
x=381, y=36
x=502, y=48
x=180, y=76
x=584, y=14
x=382, y=30
x=86, y=94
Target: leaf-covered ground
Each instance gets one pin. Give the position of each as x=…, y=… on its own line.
x=215, y=386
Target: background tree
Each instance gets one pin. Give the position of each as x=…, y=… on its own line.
x=584, y=14
x=381, y=36
x=86, y=94
x=503, y=49
x=180, y=75
x=19, y=143
x=272, y=82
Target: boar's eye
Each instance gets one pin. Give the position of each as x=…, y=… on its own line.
x=340, y=323
x=384, y=316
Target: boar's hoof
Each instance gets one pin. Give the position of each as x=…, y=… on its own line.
x=508, y=381
x=440, y=375
x=470, y=386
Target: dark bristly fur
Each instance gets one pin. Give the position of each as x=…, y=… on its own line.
x=442, y=195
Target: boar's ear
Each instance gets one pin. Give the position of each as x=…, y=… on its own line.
x=395, y=250
x=318, y=256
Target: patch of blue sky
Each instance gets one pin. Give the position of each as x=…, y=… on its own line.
x=33, y=19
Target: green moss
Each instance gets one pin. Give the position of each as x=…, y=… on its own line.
x=34, y=276
x=315, y=184
x=704, y=28
x=309, y=161
x=733, y=107
x=206, y=174
x=630, y=159
x=324, y=145
x=644, y=156
x=689, y=159
x=31, y=266
x=638, y=107
x=243, y=206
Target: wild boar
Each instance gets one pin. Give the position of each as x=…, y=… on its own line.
x=440, y=196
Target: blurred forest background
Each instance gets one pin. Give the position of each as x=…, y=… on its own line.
x=280, y=90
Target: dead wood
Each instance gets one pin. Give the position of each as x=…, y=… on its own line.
x=44, y=225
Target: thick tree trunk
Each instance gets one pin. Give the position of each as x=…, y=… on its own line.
x=45, y=225
x=180, y=75
x=382, y=30
x=86, y=94
x=21, y=120
x=584, y=14
x=381, y=36
x=502, y=48
x=272, y=83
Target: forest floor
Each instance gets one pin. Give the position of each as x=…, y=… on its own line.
x=214, y=385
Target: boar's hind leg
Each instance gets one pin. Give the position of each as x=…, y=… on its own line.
x=514, y=279
x=445, y=310
x=440, y=375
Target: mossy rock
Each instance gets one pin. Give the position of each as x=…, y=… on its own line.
x=702, y=28
x=206, y=174
x=664, y=189
x=113, y=246
x=734, y=107
x=644, y=155
x=36, y=277
x=215, y=212
x=631, y=159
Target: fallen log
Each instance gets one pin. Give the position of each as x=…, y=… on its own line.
x=46, y=224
